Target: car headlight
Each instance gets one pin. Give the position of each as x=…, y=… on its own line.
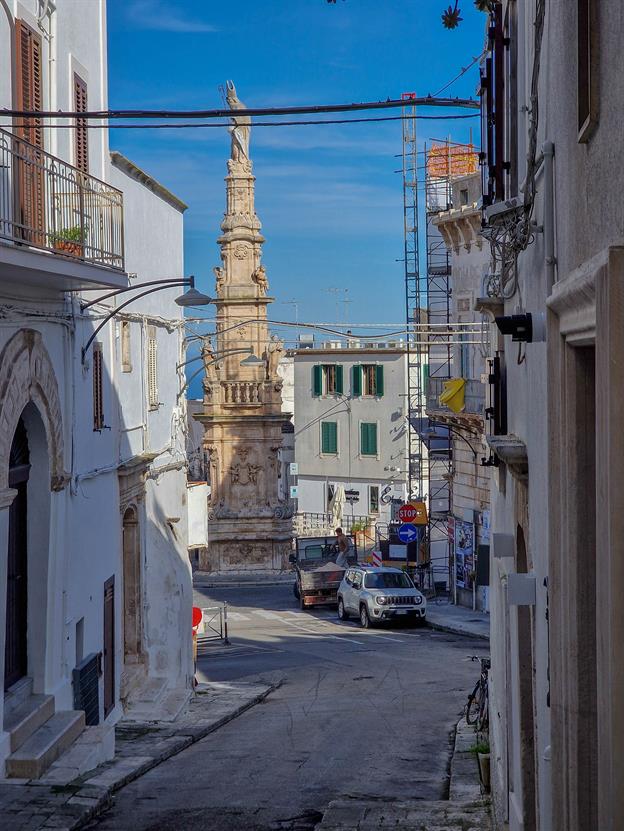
x=418, y=600
x=380, y=600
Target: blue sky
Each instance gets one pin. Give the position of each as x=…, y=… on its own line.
x=328, y=197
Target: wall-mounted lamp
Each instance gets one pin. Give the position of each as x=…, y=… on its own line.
x=523, y=328
x=191, y=297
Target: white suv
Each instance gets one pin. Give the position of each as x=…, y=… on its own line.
x=376, y=594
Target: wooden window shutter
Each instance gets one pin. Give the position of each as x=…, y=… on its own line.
x=81, y=132
x=379, y=380
x=317, y=379
x=152, y=368
x=368, y=438
x=329, y=437
x=98, y=398
x=339, y=379
x=356, y=380
x=29, y=81
x=30, y=167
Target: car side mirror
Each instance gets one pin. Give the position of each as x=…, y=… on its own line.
x=292, y=558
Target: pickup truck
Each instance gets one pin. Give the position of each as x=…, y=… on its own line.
x=317, y=575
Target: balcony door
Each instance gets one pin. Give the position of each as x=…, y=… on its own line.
x=30, y=169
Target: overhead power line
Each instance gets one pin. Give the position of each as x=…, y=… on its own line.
x=221, y=125
x=427, y=101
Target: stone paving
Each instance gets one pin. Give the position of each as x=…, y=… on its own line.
x=467, y=808
x=69, y=803
x=458, y=619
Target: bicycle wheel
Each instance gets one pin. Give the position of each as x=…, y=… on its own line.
x=484, y=712
x=473, y=707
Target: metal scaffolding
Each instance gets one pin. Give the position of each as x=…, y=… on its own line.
x=428, y=301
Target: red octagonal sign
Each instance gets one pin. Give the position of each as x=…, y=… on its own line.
x=407, y=513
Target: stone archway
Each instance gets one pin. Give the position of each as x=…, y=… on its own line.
x=27, y=376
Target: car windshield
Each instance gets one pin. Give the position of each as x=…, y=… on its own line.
x=388, y=580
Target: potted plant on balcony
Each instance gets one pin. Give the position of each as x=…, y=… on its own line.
x=69, y=240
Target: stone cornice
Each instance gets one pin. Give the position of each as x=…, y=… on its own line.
x=460, y=227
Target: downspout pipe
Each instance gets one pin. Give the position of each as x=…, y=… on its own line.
x=549, y=214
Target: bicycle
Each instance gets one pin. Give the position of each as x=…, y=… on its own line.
x=477, y=709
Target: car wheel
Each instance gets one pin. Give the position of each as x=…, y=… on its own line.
x=364, y=618
x=296, y=590
x=342, y=612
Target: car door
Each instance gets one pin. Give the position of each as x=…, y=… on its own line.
x=356, y=588
x=345, y=589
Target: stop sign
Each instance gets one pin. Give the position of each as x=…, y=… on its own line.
x=407, y=513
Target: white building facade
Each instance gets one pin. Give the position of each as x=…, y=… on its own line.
x=95, y=587
x=350, y=429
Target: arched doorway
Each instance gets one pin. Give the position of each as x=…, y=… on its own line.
x=132, y=627
x=16, y=638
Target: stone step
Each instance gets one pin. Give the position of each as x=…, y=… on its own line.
x=22, y=721
x=45, y=745
x=16, y=695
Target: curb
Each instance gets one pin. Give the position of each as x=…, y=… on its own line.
x=455, y=630
x=98, y=804
x=246, y=585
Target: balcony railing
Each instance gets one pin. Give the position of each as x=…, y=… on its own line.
x=48, y=204
x=474, y=396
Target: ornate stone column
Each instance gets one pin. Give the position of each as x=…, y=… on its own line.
x=249, y=525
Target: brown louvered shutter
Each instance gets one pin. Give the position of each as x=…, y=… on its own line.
x=81, y=131
x=31, y=163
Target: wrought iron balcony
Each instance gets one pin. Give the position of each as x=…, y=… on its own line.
x=47, y=204
x=474, y=397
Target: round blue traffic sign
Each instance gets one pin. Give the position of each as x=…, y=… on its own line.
x=408, y=533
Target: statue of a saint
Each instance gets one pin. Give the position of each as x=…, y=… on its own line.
x=274, y=352
x=210, y=364
x=219, y=273
x=260, y=279
x=241, y=126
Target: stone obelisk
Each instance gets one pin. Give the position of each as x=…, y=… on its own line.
x=249, y=523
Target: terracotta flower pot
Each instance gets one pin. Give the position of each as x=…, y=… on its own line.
x=70, y=247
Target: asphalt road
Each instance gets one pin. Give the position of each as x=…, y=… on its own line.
x=359, y=714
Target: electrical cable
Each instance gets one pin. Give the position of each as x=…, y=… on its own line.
x=428, y=101
x=463, y=72
x=195, y=126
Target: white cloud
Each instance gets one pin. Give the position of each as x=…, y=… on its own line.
x=154, y=14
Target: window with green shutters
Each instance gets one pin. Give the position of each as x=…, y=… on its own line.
x=329, y=437
x=327, y=379
x=368, y=438
x=367, y=379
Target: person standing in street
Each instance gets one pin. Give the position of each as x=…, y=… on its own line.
x=344, y=546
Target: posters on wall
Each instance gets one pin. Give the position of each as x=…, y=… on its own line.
x=464, y=553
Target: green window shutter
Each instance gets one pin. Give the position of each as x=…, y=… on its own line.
x=339, y=379
x=356, y=380
x=379, y=380
x=329, y=437
x=368, y=439
x=317, y=380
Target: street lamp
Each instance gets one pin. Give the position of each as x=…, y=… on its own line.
x=250, y=360
x=430, y=433
x=191, y=297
